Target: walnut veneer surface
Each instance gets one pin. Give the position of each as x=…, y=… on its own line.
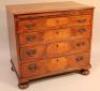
x=49, y=39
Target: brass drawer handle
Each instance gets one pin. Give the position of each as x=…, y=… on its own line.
x=29, y=26
x=82, y=30
x=80, y=44
x=81, y=21
x=30, y=38
x=32, y=67
x=31, y=52
x=80, y=58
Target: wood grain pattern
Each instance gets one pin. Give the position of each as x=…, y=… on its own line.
x=61, y=48
x=37, y=37
x=32, y=52
x=53, y=22
x=48, y=40
x=48, y=66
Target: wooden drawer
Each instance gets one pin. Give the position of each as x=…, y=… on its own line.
x=43, y=67
x=79, y=61
x=57, y=22
x=81, y=31
x=75, y=61
x=50, y=66
x=29, y=24
x=54, y=49
x=34, y=24
x=44, y=37
x=32, y=51
x=57, y=49
x=65, y=48
x=57, y=64
x=30, y=38
x=81, y=20
x=53, y=22
x=33, y=68
x=57, y=35
x=53, y=36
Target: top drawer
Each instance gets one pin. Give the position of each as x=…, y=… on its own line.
x=27, y=23
x=44, y=23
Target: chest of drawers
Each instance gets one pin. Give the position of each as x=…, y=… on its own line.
x=48, y=39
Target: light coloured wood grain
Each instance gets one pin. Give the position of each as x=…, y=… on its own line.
x=45, y=7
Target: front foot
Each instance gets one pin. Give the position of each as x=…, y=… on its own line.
x=23, y=86
x=85, y=72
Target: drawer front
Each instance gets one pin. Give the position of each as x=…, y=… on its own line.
x=30, y=38
x=57, y=64
x=79, y=61
x=58, y=49
x=64, y=48
x=57, y=35
x=54, y=49
x=27, y=25
x=80, y=45
x=44, y=21
x=51, y=66
x=35, y=24
x=81, y=31
x=44, y=37
x=57, y=22
x=30, y=24
x=81, y=20
x=53, y=36
x=33, y=68
x=74, y=62
x=44, y=67
x=37, y=51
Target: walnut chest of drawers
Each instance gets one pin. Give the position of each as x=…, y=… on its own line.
x=48, y=39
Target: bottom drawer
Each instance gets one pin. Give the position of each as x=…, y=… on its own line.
x=50, y=66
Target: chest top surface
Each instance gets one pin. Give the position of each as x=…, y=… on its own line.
x=45, y=7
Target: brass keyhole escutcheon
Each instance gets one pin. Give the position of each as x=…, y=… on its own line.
x=57, y=32
x=57, y=45
x=32, y=67
x=57, y=60
x=31, y=38
x=29, y=26
x=31, y=52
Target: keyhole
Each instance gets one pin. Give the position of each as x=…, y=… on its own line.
x=31, y=52
x=32, y=67
x=57, y=45
x=57, y=32
x=57, y=60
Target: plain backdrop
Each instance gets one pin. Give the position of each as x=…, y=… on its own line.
x=72, y=82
